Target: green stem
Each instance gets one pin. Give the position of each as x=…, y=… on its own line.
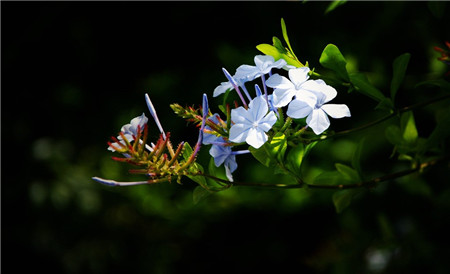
x=286, y=124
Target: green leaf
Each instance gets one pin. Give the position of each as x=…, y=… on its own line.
x=261, y=155
x=440, y=132
x=218, y=172
x=295, y=157
x=385, y=104
x=285, y=36
x=276, y=54
x=278, y=45
x=200, y=194
x=399, y=69
x=277, y=146
x=332, y=58
x=333, y=5
x=187, y=151
x=356, y=158
x=343, y=198
x=441, y=83
x=348, y=173
x=195, y=167
x=362, y=85
x=333, y=178
x=394, y=135
x=408, y=127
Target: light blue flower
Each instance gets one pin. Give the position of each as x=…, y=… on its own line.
x=286, y=89
x=263, y=65
x=131, y=129
x=251, y=124
x=224, y=155
x=311, y=103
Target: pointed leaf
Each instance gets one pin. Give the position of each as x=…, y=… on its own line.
x=218, y=172
x=394, y=135
x=278, y=45
x=330, y=178
x=362, y=85
x=441, y=83
x=276, y=54
x=343, y=198
x=356, y=159
x=278, y=145
x=440, y=132
x=408, y=127
x=295, y=157
x=347, y=172
x=333, y=5
x=285, y=36
x=399, y=69
x=200, y=194
x=333, y=59
x=261, y=155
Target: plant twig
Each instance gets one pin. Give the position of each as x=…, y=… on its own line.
x=369, y=183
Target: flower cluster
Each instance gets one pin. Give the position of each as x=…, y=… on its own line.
x=251, y=122
x=257, y=120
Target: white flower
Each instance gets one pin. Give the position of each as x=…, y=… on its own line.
x=311, y=104
x=264, y=64
x=251, y=124
x=286, y=89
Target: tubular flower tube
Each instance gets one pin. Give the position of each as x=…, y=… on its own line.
x=205, y=108
x=235, y=86
x=152, y=110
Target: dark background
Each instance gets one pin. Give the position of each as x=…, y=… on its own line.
x=74, y=72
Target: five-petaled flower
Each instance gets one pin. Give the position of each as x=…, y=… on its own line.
x=310, y=103
x=286, y=89
x=251, y=125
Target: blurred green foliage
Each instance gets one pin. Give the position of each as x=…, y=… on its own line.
x=74, y=72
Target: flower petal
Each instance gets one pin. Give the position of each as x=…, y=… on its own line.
x=230, y=162
x=238, y=133
x=256, y=138
x=224, y=86
x=324, y=92
x=299, y=109
x=279, y=82
x=336, y=110
x=258, y=108
x=247, y=72
x=298, y=75
x=228, y=173
x=282, y=97
x=263, y=61
x=219, y=153
x=240, y=116
x=267, y=122
x=318, y=121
